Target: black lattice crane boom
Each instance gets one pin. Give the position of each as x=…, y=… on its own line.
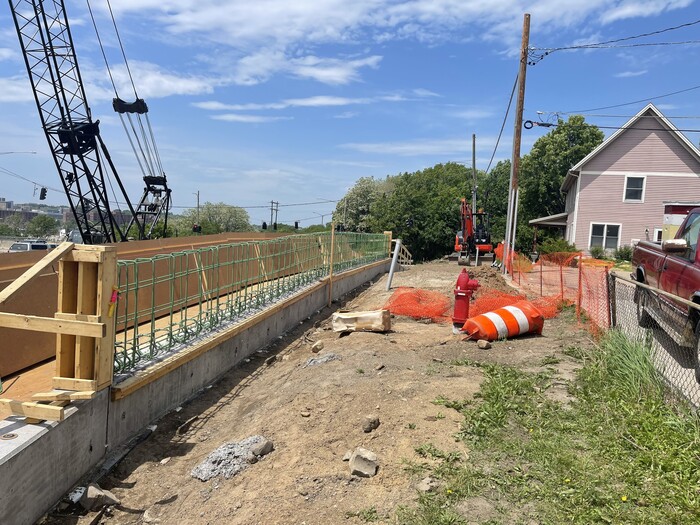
x=86, y=170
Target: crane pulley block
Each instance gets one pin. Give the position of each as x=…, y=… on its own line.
x=137, y=106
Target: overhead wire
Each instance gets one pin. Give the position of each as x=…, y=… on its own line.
x=647, y=99
x=503, y=124
x=536, y=54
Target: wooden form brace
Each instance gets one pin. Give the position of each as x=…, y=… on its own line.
x=83, y=327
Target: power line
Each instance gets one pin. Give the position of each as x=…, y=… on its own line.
x=528, y=124
x=579, y=111
x=18, y=176
x=503, y=125
x=536, y=57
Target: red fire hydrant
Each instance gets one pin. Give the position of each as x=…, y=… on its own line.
x=466, y=286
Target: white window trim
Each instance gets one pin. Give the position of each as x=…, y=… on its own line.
x=657, y=231
x=644, y=188
x=605, y=233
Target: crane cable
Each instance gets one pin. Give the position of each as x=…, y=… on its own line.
x=133, y=85
x=145, y=150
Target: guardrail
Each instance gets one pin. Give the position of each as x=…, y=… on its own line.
x=166, y=301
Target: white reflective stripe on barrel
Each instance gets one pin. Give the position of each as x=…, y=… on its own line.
x=520, y=316
x=498, y=322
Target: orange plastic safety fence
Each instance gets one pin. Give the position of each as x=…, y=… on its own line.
x=573, y=279
x=488, y=300
x=419, y=304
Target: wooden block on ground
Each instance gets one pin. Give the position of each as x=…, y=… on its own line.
x=78, y=385
x=32, y=410
x=369, y=321
x=64, y=395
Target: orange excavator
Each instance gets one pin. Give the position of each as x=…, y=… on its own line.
x=473, y=239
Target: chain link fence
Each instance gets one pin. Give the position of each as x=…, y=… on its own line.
x=167, y=300
x=664, y=322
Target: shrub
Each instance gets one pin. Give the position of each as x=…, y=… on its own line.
x=556, y=246
x=598, y=252
x=624, y=253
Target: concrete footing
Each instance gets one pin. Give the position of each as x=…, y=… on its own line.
x=40, y=463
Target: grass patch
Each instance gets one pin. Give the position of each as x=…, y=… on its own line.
x=623, y=452
x=367, y=515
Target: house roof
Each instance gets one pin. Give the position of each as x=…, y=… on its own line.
x=558, y=219
x=649, y=108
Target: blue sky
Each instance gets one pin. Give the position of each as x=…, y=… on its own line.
x=294, y=101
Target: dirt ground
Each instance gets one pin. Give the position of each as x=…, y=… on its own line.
x=314, y=415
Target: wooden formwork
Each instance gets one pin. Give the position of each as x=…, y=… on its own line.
x=83, y=326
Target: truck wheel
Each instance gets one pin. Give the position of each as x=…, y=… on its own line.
x=641, y=299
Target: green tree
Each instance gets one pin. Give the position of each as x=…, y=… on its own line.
x=353, y=210
x=423, y=209
x=213, y=218
x=543, y=170
x=42, y=226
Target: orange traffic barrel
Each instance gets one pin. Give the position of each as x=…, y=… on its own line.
x=509, y=321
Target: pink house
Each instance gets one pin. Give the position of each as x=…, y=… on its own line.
x=619, y=192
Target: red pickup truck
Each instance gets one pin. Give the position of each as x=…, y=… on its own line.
x=674, y=267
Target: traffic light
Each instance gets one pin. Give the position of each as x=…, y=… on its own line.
x=42, y=194
x=296, y=225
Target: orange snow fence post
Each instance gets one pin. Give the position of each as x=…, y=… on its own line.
x=517, y=319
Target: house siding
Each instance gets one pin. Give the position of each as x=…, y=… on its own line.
x=601, y=201
x=646, y=147
x=570, y=208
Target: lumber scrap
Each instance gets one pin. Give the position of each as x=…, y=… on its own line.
x=368, y=321
x=33, y=272
x=64, y=395
x=71, y=383
x=51, y=325
x=32, y=410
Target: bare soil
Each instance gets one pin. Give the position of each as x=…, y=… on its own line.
x=314, y=415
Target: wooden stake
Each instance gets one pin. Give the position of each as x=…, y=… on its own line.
x=330, y=274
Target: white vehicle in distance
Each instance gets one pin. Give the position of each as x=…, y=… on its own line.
x=30, y=246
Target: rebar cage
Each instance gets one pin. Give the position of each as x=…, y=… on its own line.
x=167, y=300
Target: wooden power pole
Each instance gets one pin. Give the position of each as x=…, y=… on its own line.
x=512, y=217
x=474, y=172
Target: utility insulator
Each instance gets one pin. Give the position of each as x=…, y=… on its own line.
x=42, y=194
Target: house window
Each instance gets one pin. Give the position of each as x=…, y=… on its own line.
x=605, y=236
x=658, y=235
x=634, y=189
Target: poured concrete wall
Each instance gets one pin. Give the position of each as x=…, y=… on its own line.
x=45, y=461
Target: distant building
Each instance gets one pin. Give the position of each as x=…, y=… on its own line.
x=631, y=186
x=5, y=205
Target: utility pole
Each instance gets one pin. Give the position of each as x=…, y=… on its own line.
x=512, y=217
x=197, y=194
x=474, y=172
x=277, y=209
x=274, y=208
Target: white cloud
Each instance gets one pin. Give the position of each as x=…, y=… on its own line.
x=411, y=148
x=15, y=89
x=315, y=101
x=7, y=54
x=420, y=92
x=473, y=114
x=641, y=8
x=247, y=119
x=630, y=74
x=270, y=37
x=346, y=114
x=330, y=70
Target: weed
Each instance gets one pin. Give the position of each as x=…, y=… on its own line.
x=550, y=360
x=439, y=415
x=411, y=426
x=367, y=515
x=574, y=351
x=360, y=371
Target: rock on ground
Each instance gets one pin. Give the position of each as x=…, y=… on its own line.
x=231, y=458
x=369, y=423
x=363, y=463
x=95, y=497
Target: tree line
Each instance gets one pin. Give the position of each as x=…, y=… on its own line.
x=422, y=208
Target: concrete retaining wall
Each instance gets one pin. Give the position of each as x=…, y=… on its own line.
x=45, y=461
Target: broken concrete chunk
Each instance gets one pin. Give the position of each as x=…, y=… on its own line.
x=228, y=460
x=347, y=455
x=313, y=361
x=483, y=344
x=317, y=347
x=263, y=448
x=369, y=423
x=370, y=321
x=95, y=498
x=427, y=484
x=363, y=463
